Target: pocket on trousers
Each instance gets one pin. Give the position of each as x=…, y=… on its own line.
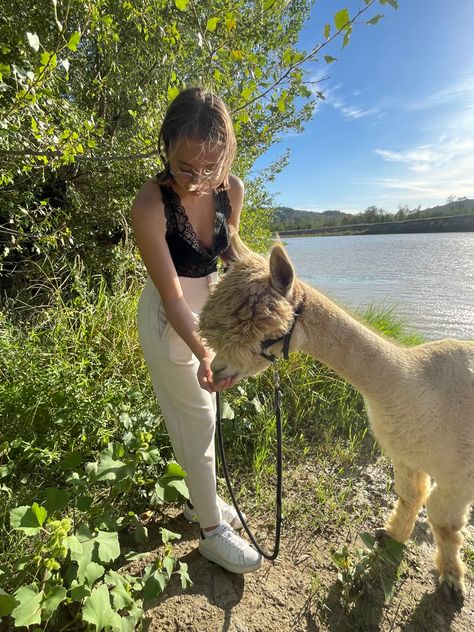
x=179, y=351
x=163, y=323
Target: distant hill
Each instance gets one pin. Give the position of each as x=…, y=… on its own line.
x=286, y=218
x=463, y=206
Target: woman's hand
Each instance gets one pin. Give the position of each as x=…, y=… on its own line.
x=205, y=377
x=204, y=374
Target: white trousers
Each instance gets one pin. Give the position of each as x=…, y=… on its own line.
x=188, y=410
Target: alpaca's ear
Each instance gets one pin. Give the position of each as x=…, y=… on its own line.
x=237, y=249
x=282, y=273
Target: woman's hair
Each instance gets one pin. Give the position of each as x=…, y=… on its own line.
x=199, y=113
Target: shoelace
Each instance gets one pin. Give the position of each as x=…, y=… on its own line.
x=232, y=538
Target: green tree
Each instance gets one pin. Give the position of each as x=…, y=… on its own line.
x=84, y=85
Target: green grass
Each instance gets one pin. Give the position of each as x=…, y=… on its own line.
x=69, y=377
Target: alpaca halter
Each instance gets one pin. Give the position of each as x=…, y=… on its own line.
x=286, y=337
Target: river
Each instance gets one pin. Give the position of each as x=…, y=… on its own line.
x=427, y=278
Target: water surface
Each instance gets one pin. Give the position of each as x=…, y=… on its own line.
x=428, y=278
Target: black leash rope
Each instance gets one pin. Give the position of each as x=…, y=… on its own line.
x=278, y=514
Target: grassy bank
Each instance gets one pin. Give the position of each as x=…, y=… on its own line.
x=87, y=473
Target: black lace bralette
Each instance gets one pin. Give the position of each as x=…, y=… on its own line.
x=190, y=257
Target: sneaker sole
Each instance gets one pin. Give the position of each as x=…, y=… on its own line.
x=238, y=570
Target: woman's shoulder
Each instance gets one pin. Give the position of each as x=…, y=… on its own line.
x=235, y=192
x=235, y=184
x=149, y=196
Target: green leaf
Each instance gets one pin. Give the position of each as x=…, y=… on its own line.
x=4, y=70
x=40, y=513
x=368, y=539
x=180, y=486
x=181, y=4
x=388, y=585
x=33, y=41
x=393, y=550
x=327, y=31
x=172, y=93
x=212, y=24
x=98, y=611
x=342, y=19
x=141, y=534
x=376, y=18
x=74, y=41
x=134, y=556
x=71, y=460
x=230, y=22
x=79, y=591
x=154, y=585
x=56, y=498
x=77, y=481
x=329, y=59
x=168, y=563
x=169, y=488
x=81, y=548
x=184, y=575
x=167, y=535
x=227, y=412
x=24, y=519
x=28, y=610
x=150, y=456
x=109, y=547
x=347, y=36
x=84, y=502
x=174, y=469
x=109, y=469
x=121, y=597
x=52, y=600
x=7, y=603
x=93, y=572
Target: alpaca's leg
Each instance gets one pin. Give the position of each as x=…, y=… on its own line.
x=412, y=487
x=447, y=514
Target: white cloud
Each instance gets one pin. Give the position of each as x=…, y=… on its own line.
x=432, y=172
x=353, y=111
x=444, y=166
x=460, y=93
x=348, y=110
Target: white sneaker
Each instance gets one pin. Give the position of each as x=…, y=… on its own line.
x=228, y=512
x=229, y=550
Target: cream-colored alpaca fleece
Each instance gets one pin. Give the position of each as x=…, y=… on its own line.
x=420, y=400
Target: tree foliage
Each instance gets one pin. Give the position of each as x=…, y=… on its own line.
x=290, y=219
x=83, y=88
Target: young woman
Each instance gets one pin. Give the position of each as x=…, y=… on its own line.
x=181, y=223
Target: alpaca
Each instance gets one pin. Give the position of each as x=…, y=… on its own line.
x=419, y=400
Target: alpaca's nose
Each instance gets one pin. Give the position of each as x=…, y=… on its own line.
x=219, y=370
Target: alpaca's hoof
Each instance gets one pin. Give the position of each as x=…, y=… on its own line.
x=452, y=589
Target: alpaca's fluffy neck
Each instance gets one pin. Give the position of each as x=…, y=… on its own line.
x=365, y=359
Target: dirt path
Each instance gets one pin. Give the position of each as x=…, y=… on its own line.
x=301, y=592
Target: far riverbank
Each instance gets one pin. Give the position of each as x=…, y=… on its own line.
x=449, y=224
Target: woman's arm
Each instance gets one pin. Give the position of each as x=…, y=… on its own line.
x=149, y=225
x=236, y=199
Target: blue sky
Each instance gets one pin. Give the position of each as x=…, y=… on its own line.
x=397, y=125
